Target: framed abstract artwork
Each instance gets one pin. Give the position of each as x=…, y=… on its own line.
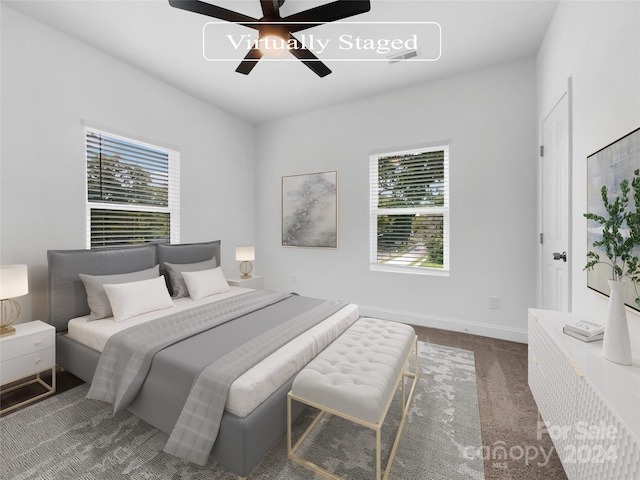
x=608, y=167
x=310, y=210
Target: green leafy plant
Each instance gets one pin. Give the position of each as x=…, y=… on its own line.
x=618, y=243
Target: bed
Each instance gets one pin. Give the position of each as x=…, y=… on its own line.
x=254, y=416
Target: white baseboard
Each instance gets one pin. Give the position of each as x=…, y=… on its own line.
x=443, y=323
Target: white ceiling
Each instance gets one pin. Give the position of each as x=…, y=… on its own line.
x=167, y=43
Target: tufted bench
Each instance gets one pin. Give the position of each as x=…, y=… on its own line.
x=356, y=378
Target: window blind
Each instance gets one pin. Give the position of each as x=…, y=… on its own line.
x=133, y=191
x=410, y=210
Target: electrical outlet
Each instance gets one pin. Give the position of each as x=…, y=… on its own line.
x=494, y=303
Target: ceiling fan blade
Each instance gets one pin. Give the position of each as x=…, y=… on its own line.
x=209, y=10
x=309, y=59
x=329, y=12
x=250, y=60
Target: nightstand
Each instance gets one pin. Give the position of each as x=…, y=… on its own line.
x=26, y=354
x=255, y=281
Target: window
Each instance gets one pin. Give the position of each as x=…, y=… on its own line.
x=410, y=211
x=132, y=192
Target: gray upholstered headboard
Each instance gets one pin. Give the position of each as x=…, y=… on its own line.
x=67, y=297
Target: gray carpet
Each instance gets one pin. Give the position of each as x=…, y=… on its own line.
x=69, y=437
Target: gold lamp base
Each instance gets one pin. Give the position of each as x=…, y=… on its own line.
x=245, y=269
x=9, y=313
x=7, y=331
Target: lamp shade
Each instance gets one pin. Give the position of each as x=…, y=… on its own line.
x=245, y=253
x=14, y=281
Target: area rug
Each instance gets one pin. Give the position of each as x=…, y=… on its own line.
x=69, y=437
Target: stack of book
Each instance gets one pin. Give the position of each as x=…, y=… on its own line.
x=584, y=330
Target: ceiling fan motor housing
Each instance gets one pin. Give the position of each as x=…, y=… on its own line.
x=270, y=30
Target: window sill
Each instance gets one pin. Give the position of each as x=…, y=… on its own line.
x=433, y=272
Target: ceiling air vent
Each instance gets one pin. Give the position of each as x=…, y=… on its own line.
x=403, y=56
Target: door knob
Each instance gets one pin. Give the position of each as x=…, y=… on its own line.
x=560, y=256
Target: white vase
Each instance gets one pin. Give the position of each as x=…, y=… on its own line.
x=616, y=346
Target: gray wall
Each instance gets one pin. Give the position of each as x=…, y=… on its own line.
x=52, y=86
x=490, y=118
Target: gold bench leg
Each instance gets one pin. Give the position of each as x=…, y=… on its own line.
x=292, y=449
x=378, y=454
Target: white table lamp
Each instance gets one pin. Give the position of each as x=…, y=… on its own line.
x=14, y=282
x=245, y=254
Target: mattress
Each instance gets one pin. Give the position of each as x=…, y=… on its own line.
x=258, y=383
x=95, y=333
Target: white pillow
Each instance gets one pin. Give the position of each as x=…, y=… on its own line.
x=205, y=282
x=175, y=274
x=96, y=296
x=135, y=298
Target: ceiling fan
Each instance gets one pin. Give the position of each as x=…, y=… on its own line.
x=273, y=25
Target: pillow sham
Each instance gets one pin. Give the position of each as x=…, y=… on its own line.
x=135, y=298
x=175, y=271
x=181, y=253
x=205, y=283
x=96, y=295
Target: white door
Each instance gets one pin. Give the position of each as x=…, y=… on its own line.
x=555, y=191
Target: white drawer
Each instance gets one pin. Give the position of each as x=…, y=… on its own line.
x=24, y=365
x=25, y=343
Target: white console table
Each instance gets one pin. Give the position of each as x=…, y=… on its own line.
x=590, y=406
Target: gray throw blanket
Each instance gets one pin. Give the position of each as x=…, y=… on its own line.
x=127, y=355
x=127, y=358
x=197, y=428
